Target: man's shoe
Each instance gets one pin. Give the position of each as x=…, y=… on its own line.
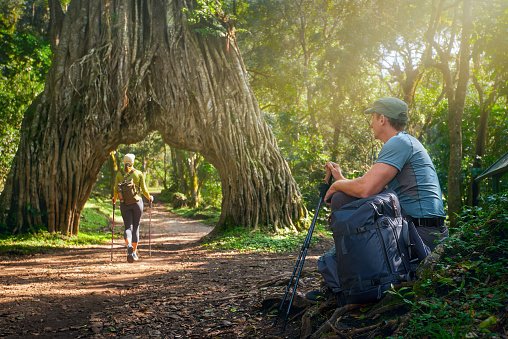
x=135, y=256
x=315, y=295
x=130, y=254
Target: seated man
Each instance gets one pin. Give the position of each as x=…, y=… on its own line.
x=404, y=166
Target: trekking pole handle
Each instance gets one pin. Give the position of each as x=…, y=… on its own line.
x=324, y=186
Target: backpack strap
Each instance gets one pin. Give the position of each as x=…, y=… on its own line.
x=395, y=204
x=126, y=175
x=347, y=231
x=421, y=250
x=405, y=237
x=402, y=244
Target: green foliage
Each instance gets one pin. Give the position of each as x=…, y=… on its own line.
x=465, y=293
x=311, y=67
x=25, y=58
x=10, y=12
x=210, y=185
x=240, y=239
x=314, y=65
x=95, y=217
x=214, y=17
x=302, y=148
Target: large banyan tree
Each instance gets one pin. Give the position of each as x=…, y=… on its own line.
x=123, y=68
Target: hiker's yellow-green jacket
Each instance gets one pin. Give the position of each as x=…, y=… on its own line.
x=139, y=180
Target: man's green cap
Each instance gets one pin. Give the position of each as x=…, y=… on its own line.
x=390, y=107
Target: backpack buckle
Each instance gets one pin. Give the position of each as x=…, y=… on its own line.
x=361, y=229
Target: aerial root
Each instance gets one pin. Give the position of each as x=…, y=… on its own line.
x=327, y=325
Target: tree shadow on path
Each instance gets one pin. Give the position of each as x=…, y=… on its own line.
x=181, y=290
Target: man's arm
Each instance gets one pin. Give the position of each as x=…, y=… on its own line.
x=370, y=183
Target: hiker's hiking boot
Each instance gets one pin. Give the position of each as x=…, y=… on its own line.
x=135, y=256
x=130, y=254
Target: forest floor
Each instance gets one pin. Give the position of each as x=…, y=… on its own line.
x=183, y=290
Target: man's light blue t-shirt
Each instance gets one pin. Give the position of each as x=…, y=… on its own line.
x=416, y=183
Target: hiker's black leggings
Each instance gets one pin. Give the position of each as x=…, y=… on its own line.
x=131, y=215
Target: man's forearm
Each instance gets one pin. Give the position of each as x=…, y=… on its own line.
x=350, y=187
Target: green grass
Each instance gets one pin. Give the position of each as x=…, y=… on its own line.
x=94, y=229
x=465, y=294
x=208, y=215
x=244, y=240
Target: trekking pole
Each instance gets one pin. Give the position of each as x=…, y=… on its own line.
x=150, y=232
x=297, y=270
x=112, y=230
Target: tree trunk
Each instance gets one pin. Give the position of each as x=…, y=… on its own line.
x=486, y=103
x=456, y=110
x=165, y=167
x=481, y=140
x=192, y=167
x=178, y=176
x=121, y=70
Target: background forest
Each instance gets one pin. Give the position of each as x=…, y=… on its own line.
x=314, y=67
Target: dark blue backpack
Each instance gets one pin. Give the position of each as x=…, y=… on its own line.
x=372, y=249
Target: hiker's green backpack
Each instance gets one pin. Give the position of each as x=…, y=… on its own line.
x=128, y=190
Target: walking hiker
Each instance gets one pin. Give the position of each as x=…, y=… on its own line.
x=404, y=167
x=129, y=185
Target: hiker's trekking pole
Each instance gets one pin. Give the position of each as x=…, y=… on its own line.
x=297, y=270
x=150, y=232
x=112, y=230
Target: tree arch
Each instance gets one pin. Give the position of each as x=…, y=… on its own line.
x=122, y=69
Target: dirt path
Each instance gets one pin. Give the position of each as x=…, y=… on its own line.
x=181, y=291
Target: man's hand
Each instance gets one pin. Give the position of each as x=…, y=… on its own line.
x=329, y=193
x=113, y=200
x=334, y=170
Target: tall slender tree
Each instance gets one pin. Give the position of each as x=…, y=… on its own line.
x=455, y=71
x=120, y=70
